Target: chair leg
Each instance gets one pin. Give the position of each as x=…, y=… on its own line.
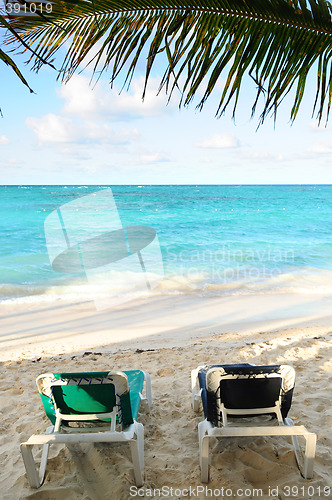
x=30, y=465
x=202, y=430
x=140, y=443
x=310, y=451
x=44, y=457
x=136, y=462
x=43, y=463
x=35, y=479
x=297, y=451
x=203, y=440
x=204, y=459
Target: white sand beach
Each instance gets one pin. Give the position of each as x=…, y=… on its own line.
x=168, y=337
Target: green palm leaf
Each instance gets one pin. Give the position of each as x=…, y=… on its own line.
x=7, y=60
x=275, y=42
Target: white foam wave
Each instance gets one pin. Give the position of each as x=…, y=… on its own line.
x=304, y=281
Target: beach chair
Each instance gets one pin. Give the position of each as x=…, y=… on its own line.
x=247, y=400
x=97, y=407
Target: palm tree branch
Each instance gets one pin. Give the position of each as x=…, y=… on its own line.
x=226, y=12
x=276, y=43
x=5, y=58
x=17, y=37
x=9, y=62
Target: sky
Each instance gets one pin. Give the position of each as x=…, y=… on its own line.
x=80, y=133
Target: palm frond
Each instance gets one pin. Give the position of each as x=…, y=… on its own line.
x=8, y=60
x=275, y=42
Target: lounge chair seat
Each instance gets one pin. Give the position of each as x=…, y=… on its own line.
x=231, y=395
x=73, y=401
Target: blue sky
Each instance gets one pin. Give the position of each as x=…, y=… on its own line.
x=80, y=134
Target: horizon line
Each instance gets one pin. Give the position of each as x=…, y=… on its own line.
x=169, y=185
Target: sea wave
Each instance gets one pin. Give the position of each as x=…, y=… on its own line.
x=305, y=281
x=302, y=281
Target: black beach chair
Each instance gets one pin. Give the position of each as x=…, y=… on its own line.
x=231, y=395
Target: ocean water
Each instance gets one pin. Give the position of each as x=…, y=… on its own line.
x=214, y=240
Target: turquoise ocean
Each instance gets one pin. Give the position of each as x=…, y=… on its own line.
x=214, y=240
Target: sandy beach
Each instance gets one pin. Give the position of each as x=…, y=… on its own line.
x=168, y=337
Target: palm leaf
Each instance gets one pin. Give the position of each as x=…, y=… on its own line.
x=274, y=42
x=7, y=60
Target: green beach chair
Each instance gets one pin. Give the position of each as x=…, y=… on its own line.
x=74, y=401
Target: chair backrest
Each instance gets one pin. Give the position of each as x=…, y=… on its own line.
x=247, y=393
x=86, y=393
x=248, y=387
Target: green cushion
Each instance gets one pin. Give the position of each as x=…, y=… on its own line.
x=95, y=398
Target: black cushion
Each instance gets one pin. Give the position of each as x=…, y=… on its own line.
x=242, y=393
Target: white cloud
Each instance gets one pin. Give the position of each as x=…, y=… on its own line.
x=52, y=128
x=262, y=156
x=153, y=158
x=100, y=102
x=56, y=129
x=89, y=114
x=219, y=141
x=81, y=99
x=105, y=134
x=323, y=147
x=4, y=139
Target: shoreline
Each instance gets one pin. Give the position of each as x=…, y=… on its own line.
x=28, y=330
